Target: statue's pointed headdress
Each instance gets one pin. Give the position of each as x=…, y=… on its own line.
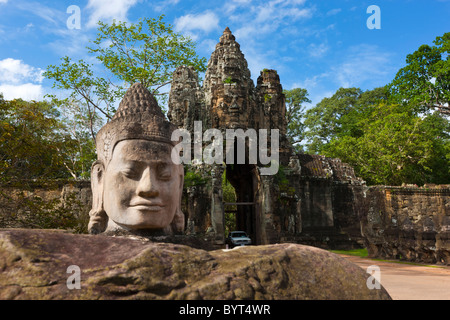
x=138, y=117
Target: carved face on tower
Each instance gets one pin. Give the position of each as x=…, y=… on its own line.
x=228, y=84
x=136, y=186
x=233, y=104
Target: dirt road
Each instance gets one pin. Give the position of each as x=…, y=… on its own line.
x=410, y=282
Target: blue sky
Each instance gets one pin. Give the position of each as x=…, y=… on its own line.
x=320, y=45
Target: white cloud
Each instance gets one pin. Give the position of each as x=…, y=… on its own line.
x=208, y=45
x=160, y=6
x=248, y=31
x=261, y=25
x=68, y=42
x=231, y=6
x=256, y=63
x=333, y=12
x=307, y=83
x=14, y=71
x=3, y=1
x=20, y=80
x=277, y=11
x=107, y=10
x=264, y=18
x=27, y=91
x=58, y=37
x=315, y=87
x=46, y=13
x=318, y=51
x=205, y=22
x=364, y=64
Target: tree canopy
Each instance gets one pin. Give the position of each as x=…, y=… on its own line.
x=329, y=117
x=387, y=144
x=396, y=134
x=55, y=139
x=424, y=83
x=147, y=52
x=295, y=99
x=35, y=144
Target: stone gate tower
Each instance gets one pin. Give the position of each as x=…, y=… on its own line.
x=268, y=206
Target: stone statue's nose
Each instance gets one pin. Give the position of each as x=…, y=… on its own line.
x=148, y=185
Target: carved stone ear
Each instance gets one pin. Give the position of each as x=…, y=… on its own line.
x=178, y=220
x=98, y=218
x=181, y=173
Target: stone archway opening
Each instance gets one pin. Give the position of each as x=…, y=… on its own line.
x=242, y=178
x=230, y=208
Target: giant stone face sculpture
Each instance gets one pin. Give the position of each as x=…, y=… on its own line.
x=136, y=187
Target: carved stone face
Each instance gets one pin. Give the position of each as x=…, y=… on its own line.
x=232, y=106
x=142, y=186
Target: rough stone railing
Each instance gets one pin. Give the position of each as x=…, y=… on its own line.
x=408, y=223
x=53, y=204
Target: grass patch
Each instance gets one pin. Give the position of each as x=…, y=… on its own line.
x=409, y=262
x=362, y=253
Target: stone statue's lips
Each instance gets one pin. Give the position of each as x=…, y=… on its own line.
x=147, y=205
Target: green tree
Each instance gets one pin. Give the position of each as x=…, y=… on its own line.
x=391, y=135
x=329, y=117
x=424, y=83
x=322, y=121
x=229, y=195
x=37, y=142
x=95, y=93
x=146, y=52
x=366, y=101
x=30, y=141
x=295, y=99
x=80, y=150
x=395, y=146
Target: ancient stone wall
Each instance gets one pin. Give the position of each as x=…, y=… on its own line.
x=408, y=223
x=328, y=195
x=46, y=204
x=405, y=223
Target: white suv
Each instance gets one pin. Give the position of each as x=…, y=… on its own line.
x=238, y=238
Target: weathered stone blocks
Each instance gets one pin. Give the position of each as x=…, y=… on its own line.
x=34, y=263
x=408, y=223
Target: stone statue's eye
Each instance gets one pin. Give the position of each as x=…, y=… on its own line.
x=164, y=171
x=131, y=172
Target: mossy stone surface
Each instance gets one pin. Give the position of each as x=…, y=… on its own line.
x=33, y=265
